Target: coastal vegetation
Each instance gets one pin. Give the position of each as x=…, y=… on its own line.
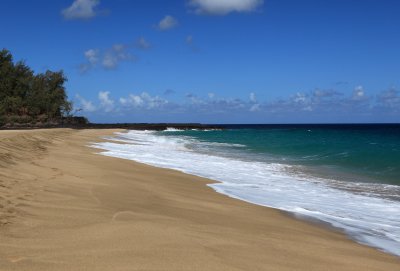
x=29, y=98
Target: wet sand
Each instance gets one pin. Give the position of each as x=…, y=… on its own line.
x=64, y=207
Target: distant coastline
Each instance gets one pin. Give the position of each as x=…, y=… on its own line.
x=81, y=123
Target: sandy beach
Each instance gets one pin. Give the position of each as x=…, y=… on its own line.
x=64, y=207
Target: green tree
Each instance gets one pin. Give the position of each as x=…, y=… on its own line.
x=26, y=96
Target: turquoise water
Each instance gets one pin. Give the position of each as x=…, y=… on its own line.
x=362, y=154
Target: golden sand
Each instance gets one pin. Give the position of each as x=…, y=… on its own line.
x=64, y=207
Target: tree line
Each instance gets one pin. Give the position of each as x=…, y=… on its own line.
x=26, y=97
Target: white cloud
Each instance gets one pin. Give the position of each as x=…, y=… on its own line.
x=85, y=105
x=324, y=101
x=255, y=108
x=194, y=100
x=307, y=108
x=154, y=102
x=212, y=104
x=142, y=43
x=108, y=59
x=300, y=97
x=389, y=99
x=81, y=9
x=358, y=93
x=143, y=100
x=136, y=101
x=117, y=54
x=123, y=101
x=321, y=103
x=92, y=55
x=105, y=101
x=253, y=97
x=223, y=7
x=167, y=23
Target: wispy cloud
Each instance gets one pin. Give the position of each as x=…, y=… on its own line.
x=252, y=97
x=212, y=104
x=358, y=93
x=389, y=100
x=84, y=105
x=81, y=9
x=92, y=55
x=106, y=102
x=108, y=59
x=143, y=101
x=316, y=104
x=167, y=23
x=255, y=106
x=223, y=7
x=118, y=53
x=142, y=43
x=323, y=101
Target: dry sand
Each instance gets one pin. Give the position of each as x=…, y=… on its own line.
x=64, y=207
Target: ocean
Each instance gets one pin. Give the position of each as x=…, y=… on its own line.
x=345, y=175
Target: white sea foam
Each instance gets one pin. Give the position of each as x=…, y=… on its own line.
x=370, y=220
x=170, y=129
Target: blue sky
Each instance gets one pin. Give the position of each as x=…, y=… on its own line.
x=216, y=61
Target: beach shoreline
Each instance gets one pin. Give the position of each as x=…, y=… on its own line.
x=64, y=207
